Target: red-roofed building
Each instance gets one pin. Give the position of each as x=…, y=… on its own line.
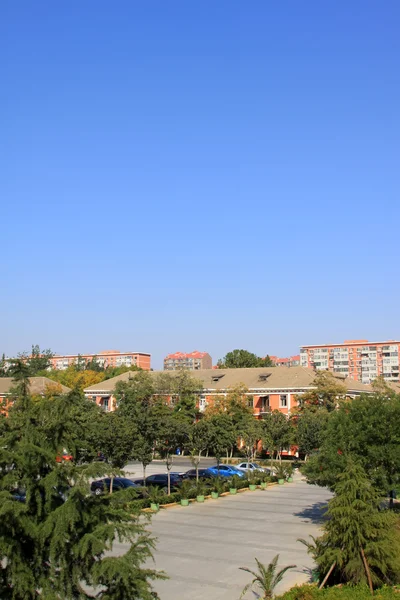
x=291, y=361
x=193, y=361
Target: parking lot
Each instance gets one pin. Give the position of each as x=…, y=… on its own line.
x=202, y=546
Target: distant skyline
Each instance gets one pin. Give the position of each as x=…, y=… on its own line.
x=209, y=176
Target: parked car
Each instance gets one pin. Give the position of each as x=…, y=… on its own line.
x=203, y=474
x=119, y=483
x=161, y=481
x=245, y=466
x=226, y=471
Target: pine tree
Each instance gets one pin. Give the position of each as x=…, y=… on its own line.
x=360, y=542
x=53, y=544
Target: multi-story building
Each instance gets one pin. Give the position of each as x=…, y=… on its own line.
x=38, y=386
x=290, y=361
x=106, y=358
x=193, y=361
x=359, y=359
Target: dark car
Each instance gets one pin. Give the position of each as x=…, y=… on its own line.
x=119, y=483
x=161, y=481
x=203, y=474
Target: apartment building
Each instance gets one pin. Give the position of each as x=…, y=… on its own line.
x=290, y=361
x=359, y=359
x=193, y=361
x=106, y=358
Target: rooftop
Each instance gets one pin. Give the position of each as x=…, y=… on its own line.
x=353, y=343
x=268, y=378
x=194, y=354
x=37, y=385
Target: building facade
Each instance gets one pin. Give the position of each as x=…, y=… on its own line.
x=290, y=361
x=106, y=358
x=358, y=359
x=193, y=361
x=269, y=388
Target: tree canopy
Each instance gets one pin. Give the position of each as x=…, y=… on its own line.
x=237, y=359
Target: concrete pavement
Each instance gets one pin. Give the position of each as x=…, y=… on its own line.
x=202, y=546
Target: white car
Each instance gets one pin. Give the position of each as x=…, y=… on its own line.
x=245, y=466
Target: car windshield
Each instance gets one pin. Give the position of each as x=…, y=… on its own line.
x=256, y=465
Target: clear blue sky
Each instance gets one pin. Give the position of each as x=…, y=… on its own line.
x=198, y=175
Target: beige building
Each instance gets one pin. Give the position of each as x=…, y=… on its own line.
x=269, y=388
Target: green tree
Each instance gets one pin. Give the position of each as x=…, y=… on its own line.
x=360, y=543
x=251, y=433
x=237, y=359
x=327, y=392
x=309, y=430
x=54, y=544
x=94, y=365
x=138, y=403
x=183, y=389
x=199, y=440
x=276, y=433
x=3, y=367
x=222, y=435
x=365, y=428
x=265, y=579
x=37, y=360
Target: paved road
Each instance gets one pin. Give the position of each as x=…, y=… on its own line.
x=202, y=546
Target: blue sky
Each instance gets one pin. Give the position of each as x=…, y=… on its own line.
x=198, y=175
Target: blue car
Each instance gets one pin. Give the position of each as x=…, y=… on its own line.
x=226, y=471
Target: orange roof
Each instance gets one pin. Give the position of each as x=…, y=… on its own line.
x=194, y=354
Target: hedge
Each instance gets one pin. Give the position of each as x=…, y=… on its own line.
x=344, y=592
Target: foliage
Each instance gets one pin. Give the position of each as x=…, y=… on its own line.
x=222, y=434
x=183, y=389
x=276, y=432
x=199, y=440
x=309, y=429
x=235, y=404
x=116, y=437
x=326, y=394
x=366, y=428
x=82, y=377
x=144, y=411
x=237, y=359
x=54, y=544
x=342, y=592
x=251, y=432
x=265, y=579
x=361, y=541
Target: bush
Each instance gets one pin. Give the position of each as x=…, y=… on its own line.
x=344, y=592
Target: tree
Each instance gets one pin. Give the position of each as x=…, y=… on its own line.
x=3, y=367
x=265, y=579
x=222, y=435
x=94, y=365
x=309, y=430
x=360, y=543
x=239, y=359
x=199, y=440
x=367, y=429
x=277, y=433
x=136, y=401
x=251, y=432
x=37, y=360
x=172, y=434
x=54, y=544
x=327, y=393
x=182, y=389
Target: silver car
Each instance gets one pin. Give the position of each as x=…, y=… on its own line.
x=245, y=466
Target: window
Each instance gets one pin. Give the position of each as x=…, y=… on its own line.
x=264, y=403
x=250, y=402
x=283, y=401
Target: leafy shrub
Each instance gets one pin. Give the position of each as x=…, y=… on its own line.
x=344, y=592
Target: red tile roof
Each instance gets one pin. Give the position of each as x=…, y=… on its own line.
x=195, y=354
